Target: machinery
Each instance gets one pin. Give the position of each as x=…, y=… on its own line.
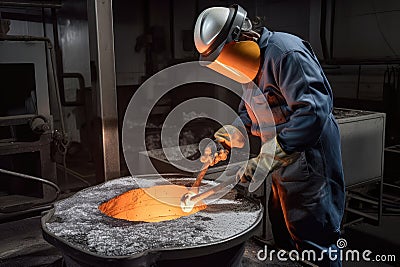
x=363, y=143
x=35, y=92
x=26, y=125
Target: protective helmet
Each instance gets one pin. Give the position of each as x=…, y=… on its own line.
x=216, y=37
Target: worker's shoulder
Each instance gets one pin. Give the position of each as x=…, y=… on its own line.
x=282, y=43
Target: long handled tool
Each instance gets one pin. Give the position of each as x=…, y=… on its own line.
x=200, y=176
x=191, y=198
x=194, y=189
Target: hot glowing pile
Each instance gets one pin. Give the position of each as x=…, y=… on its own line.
x=149, y=204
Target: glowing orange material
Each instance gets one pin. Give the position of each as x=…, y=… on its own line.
x=140, y=205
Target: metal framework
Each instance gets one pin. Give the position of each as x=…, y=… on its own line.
x=101, y=39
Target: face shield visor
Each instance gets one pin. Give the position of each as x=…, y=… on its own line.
x=217, y=33
x=239, y=61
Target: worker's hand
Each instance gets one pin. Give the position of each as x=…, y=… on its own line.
x=214, y=152
x=226, y=137
x=271, y=158
x=230, y=136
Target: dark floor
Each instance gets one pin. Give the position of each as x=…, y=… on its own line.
x=22, y=244
x=381, y=240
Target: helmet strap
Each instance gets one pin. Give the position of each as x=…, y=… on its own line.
x=249, y=36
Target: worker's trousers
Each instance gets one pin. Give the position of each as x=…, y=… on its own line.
x=305, y=209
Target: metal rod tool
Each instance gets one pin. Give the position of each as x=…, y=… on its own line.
x=200, y=176
x=190, y=199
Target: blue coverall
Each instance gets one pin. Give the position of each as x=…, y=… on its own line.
x=307, y=197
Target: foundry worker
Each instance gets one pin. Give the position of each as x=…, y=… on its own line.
x=307, y=198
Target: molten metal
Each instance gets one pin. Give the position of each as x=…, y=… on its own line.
x=149, y=204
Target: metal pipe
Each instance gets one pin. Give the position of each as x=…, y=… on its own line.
x=358, y=82
x=25, y=38
x=196, y=184
x=391, y=185
x=30, y=4
x=212, y=191
x=332, y=30
x=57, y=89
x=363, y=199
x=366, y=215
x=30, y=177
x=7, y=217
x=58, y=56
x=48, y=74
x=322, y=32
x=172, y=28
x=23, y=17
x=352, y=222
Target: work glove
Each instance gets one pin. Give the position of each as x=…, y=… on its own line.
x=230, y=136
x=226, y=138
x=214, y=152
x=271, y=158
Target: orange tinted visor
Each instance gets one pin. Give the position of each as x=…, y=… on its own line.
x=239, y=61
